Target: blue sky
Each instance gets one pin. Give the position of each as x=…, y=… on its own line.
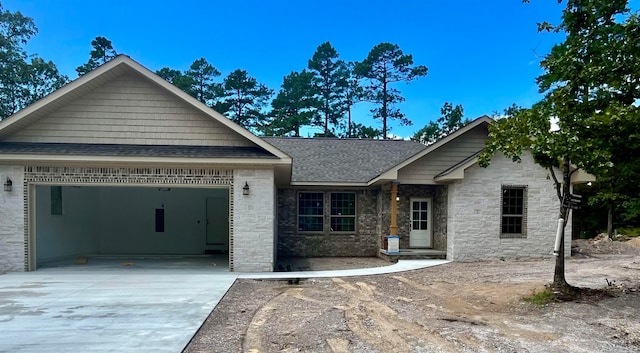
x=482, y=54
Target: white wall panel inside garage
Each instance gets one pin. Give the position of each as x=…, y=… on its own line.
x=121, y=220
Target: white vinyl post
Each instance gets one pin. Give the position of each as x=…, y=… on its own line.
x=556, y=248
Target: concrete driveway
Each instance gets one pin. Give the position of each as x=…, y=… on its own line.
x=109, y=306
x=139, y=308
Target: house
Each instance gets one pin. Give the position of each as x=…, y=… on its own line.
x=120, y=162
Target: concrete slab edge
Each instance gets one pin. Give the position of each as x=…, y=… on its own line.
x=400, y=266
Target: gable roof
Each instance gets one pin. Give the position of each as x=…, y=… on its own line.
x=357, y=162
x=107, y=72
x=333, y=161
x=392, y=173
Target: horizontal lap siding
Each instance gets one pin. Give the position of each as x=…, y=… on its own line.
x=130, y=110
x=423, y=170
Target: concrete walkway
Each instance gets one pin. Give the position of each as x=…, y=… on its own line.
x=400, y=266
x=142, y=308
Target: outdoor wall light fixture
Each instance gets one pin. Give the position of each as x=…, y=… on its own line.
x=8, y=185
x=245, y=188
x=397, y=198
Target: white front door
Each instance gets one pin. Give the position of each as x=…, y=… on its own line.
x=420, y=235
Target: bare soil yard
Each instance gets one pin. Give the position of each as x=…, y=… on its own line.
x=457, y=307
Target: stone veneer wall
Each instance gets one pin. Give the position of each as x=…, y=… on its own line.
x=253, y=221
x=363, y=242
x=475, y=210
x=438, y=194
x=250, y=235
x=12, y=220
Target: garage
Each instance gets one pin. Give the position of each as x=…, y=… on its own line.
x=75, y=221
x=121, y=163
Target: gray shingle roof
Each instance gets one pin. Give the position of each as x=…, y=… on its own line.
x=83, y=149
x=343, y=160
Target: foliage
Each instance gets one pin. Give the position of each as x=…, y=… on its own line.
x=354, y=93
x=541, y=297
x=294, y=106
x=242, y=100
x=330, y=79
x=387, y=64
x=200, y=81
x=629, y=232
x=364, y=132
x=450, y=120
x=177, y=78
x=101, y=53
x=23, y=78
x=588, y=79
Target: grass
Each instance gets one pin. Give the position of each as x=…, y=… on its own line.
x=541, y=297
x=571, y=294
x=629, y=232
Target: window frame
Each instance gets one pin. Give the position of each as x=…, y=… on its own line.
x=522, y=216
x=299, y=215
x=353, y=216
x=327, y=216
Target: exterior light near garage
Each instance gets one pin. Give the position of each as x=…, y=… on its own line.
x=245, y=188
x=8, y=185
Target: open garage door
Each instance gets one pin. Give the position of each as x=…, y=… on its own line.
x=84, y=221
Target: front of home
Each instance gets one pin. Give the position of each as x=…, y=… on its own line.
x=120, y=162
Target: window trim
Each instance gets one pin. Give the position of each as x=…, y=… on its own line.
x=298, y=215
x=523, y=216
x=354, y=216
x=326, y=213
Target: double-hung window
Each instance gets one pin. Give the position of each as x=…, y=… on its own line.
x=514, y=212
x=338, y=217
x=310, y=211
x=343, y=211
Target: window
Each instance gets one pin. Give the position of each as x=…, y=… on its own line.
x=310, y=211
x=339, y=216
x=56, y=200
x=159, y=220
x=343, y=212
x=514, y=211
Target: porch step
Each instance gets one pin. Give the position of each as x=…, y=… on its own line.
x=412, y=254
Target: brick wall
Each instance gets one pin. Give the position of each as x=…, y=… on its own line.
x=373, y=219
x=438, y=195
x=363, y=242
x=253, y=221
x=12, y=220
x=474, y=208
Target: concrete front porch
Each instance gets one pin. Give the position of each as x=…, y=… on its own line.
x=411, y=254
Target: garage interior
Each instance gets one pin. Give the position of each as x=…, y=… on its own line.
x=130, y=222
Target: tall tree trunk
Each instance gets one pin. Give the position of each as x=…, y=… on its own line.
x=384, y=110
x=349, y=122
x=610, y=211
x=610, y=219
x=559, y=279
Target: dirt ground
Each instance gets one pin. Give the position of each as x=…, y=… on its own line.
x=457, y=307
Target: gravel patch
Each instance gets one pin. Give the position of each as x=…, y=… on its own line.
x=456, y=307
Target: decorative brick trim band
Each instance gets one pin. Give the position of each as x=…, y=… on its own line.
x=129, y=175
x=124, y=175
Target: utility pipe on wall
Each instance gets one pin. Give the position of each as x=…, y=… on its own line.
x=556, y=248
